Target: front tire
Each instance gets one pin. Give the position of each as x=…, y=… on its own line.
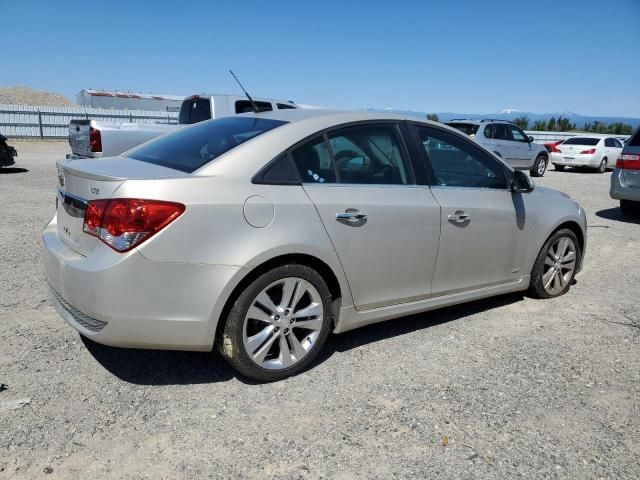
x=559, y=168
x=555, y=268
x=539, y=167
x=629, y=208
x=278, y=325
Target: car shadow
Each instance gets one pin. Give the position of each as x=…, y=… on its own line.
x=8, y=170
x=167, y=367
x=616, y=214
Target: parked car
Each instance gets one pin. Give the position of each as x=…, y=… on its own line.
x=262, y=233
x=586, y=151
x=625, y=179
x=507, y=141
x=7, y=153
x=92, y=138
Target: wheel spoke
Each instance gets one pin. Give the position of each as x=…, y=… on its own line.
x=285, y=354
x=548, y=277
x=298, y=349
x=289, y=288
x=569, y=257
x=315, y=324
x=256, y=313
x=549, y=261
x=313, y=310
x=562, y=246
x=262, y=352
x=254, y=341
x=264, y=300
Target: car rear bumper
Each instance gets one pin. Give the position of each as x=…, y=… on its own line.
x=579, y=160
x=126, y=300
x=620, y=190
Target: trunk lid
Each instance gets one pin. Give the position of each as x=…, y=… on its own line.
x=80, y=181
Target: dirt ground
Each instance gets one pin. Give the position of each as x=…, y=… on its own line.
x=508, y=387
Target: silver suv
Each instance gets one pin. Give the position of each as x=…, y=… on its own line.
x=508, y=141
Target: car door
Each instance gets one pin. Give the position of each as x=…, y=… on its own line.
x=502, y=142
x=384, y=228
x=484, y=225
x=522, y=147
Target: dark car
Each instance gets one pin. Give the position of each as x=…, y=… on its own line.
x=7, y=153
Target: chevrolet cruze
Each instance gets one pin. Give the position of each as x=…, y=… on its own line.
x=260, y=234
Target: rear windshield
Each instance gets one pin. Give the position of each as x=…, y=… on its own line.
x=468, y=128
x=194, y=111
x=581, y=141
x=190, y=148
x=635, y=140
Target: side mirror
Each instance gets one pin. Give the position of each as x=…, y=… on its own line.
x=530, y=138
x=521, y=182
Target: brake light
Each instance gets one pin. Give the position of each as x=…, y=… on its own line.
x=591, y=151
x=554, y=148
x=95, y=140
x=628, y=161
x=124, y=223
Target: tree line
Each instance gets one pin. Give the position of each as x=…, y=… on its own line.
x=562, y=124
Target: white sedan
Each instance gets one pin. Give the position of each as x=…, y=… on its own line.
x=593, y=152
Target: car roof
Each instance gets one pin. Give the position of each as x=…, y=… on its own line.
x=329, y=116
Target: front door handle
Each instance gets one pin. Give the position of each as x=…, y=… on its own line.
x=459, y=217
x=351, y=216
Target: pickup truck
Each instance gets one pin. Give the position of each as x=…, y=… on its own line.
x=92, y=139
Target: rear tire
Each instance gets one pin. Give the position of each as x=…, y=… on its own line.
x=555, y=268
x=559, y=168
x=602, y=168
x=278, y=324
x=539, y=166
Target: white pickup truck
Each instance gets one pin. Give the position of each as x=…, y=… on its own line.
x=91, y=138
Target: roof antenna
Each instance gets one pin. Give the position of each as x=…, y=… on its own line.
x=253, y=104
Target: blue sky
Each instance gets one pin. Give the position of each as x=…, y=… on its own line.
x=434, y=56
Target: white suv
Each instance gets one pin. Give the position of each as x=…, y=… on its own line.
x=508, y=141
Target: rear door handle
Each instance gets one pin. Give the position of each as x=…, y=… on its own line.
x=351, y=216
x=458, y=217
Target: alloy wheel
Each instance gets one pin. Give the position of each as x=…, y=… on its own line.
x=542, y=167
x=283, y=323
x=559, y=265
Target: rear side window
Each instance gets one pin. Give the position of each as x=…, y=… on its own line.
x=285, y=106
x=617, y=143
x=194, y=110
x=244, y=106
x=314, y=162
x=608, y=142
x=582, y=141
x=635, y=140
x=498, y=131
x=468, y=128
x=191, y=148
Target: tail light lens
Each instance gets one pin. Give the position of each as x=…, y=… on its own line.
x=124, y=223
x=628, y=161
x=554, y=148
x=95, y=140
x=591, y=151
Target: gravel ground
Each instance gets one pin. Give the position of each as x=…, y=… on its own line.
x=509, y=387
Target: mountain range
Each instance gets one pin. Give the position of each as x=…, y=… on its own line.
x=511, y=113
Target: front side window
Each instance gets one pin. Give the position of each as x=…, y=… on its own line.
x=190, y=148
x=518, y=135
x=457, y=163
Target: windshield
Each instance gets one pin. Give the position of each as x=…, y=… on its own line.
x=581, y=141
x=468, y=128
x=190, y=148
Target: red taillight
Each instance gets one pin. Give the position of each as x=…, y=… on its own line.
x=95, y=140
x=591, y=151
x=628, y=161
x=554, y=148
x=124, y=223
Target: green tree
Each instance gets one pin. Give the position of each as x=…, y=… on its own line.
x=540, y=125
x=551, y=126
x=565, y=125
x=522, y=122
x=433, y=117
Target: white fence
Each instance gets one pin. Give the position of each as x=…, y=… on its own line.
x=28, y=121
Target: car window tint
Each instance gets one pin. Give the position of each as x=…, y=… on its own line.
x=635, y=140
x=501, y=132
x=194, y=110
x=608, y=142
x=517, y=134
x=617, y=143
x=244, y=106
x=193, y=147
x=468, y=128
x=488, y=131
x=281, y=171
x=582, y=141
x=369, y=154
x=457, y=163
x=314, y=162
x=285, y=106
